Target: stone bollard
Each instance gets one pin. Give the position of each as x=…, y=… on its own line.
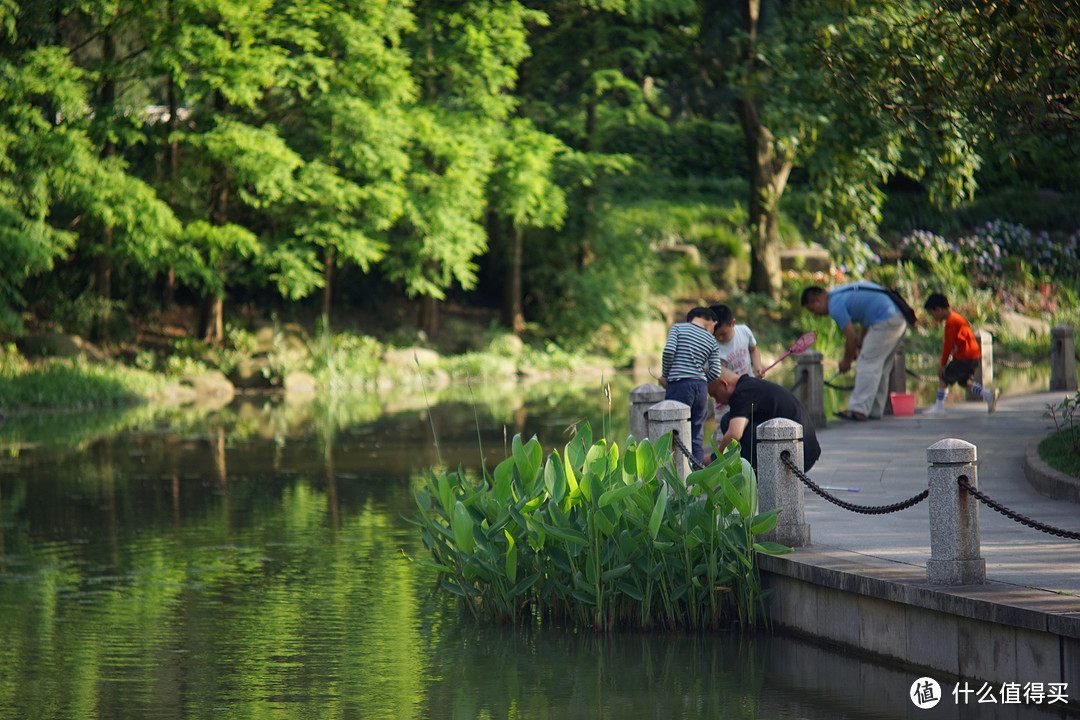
x=954, y=516
x=984, y=372
x=811, y=389
x=642, y=398
x=778, y=486
x=898, y=376
x=1062, y=358
x=672, y=416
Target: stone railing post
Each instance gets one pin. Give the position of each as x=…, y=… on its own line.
x=672, y=416
x=898, y=376
x=642, y=398
x=954, y=516
x=984, y=372
x=811, y=390
x=778, y=486
x=1062, y=358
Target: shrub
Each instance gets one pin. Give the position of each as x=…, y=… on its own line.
x=993, y=250
x=599, y=538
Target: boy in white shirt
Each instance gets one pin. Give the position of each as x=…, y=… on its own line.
x=738, y=350
x=738, y=346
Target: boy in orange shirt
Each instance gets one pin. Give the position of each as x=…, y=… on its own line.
x=961, y=344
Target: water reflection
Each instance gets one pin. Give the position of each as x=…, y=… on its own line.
x=248, y=561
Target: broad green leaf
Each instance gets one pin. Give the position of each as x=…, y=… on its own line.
x=645, y=458
x=596, y=460
x=511, y=558
x=445, y=492
x=462, y=524
x=524, y=585
x=584, y=597
x=603, y=521
x=433, y=566
x=613, y=573
x=587, y=485
x=658, y=512
x=571, y=476
x=764, y=522
x=630, y=590
x=452, y=587
x=522, y=461
x=504, y=478
x=616, y=494
x=613, y=458
x=564, y=534
x=735, y=497
x=749, y=487
x=772, y=548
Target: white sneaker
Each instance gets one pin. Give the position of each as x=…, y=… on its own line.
x=936, y=410
x=992, y=401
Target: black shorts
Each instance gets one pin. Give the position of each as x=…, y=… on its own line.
x=958, y=372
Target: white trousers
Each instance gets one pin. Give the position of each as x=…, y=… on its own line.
x=874, y=366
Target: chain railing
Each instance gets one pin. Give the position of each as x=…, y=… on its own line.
x=785, y=457
x=922, y=378
x=963, y=482
x=800, y=381
x=689, y=455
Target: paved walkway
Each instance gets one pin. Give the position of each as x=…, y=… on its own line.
x=886, y=461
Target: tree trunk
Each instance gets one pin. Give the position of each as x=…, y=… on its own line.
x=172, y=152
x=768, y=175
x=212, y=325
x=429, y=316
x=513, y=316
x=328, y=273
x=211, y=319
x=103, y=264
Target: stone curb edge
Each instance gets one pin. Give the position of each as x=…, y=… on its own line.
x=1048, y=481
x=995, y=602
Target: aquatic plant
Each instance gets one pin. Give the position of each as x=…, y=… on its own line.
x=599, y=537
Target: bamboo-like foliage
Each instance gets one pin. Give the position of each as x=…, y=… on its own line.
x=599, y=538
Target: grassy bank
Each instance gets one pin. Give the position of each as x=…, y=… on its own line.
x=1058, y=452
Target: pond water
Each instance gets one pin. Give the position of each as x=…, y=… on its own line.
x=250, y=560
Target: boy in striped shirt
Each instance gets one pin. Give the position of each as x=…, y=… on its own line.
x=961, y=344
x=691, y=360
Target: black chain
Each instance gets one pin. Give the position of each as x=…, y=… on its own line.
x=802, y=378
x=785, y=457
x=689, y=455
x=921, y=378
x=963, y=482
x=1020, y=364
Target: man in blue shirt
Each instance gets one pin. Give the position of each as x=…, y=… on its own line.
x=882, y=327
x=691, y=360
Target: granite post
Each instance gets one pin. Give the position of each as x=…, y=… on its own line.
x=810, y=376
x=984, y=371
x=778, y=486
x=1062, y=358
x=672, y=416
x=642, y=398
x=954, y=516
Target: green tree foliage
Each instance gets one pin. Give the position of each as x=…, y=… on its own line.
x=261, y=146
x=58, y=189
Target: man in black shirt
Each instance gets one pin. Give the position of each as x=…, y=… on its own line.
x=752, y=402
